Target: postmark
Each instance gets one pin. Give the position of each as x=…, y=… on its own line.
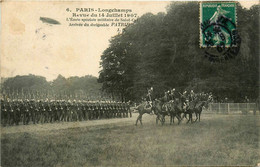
x=218, y=30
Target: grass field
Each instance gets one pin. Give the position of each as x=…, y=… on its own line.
x=216, y=140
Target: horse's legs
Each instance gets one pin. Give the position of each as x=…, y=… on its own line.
x=179, y=118
x=183, y=115
x=163, y=119
x=141, y=119
x=172, y=119
x=197, y=116
x=190, y=118
x=137, y=119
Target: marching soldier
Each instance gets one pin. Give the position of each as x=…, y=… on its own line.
x=84, y=110
x=128, y=108
x=10, y=113
x=37, y=111
x=17, y=112
x=110, y=110
x=32, y=111
x=91, y=110
x=4, y=112
x=26, y=112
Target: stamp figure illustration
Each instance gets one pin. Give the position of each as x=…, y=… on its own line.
x=218, y=24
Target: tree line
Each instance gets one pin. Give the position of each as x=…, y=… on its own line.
x=37, y=87
x=163, y=51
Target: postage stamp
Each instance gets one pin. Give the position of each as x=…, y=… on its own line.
x=217, y=24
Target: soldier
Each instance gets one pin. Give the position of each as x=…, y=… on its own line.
x=49, y=112
x=43, y=112
x=110, y=110
x=10, y=113
x=52, y=111
x=66, y=111
x=91, y=111
x=113, y=110
x=79, y=111
x=120, y=109
x=37, y=111
x=125, y=110
x=4, y=112
x=166, y=96
x=128, y=108
x=32, y=111
x=105, y=109
x=191, y=95
x=84, y=110
x=61, y=109
x=149, y=97
x=97, y=109
x=183, y=98
x=117, y=110
x=172, y=95
x=74, y=111
x=100, y=106
x=26, y=112
x=17, y=112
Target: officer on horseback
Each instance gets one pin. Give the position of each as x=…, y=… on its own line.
x=149, y=98
x=172, y=94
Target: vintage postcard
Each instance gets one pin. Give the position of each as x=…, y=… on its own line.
x=129, y=83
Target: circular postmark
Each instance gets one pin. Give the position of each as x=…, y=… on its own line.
x=221, y=39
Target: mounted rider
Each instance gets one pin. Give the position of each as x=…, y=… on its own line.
x=191, y=96
x=167, y=96
x=149, y=97
x=172, y=95
x=184, y=99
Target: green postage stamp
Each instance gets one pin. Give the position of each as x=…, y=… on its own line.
x=218, y=24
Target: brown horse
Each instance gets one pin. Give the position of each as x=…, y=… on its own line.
x=163, y=109
x=159, y=111
x=196, y=107
x=173, y=111
x=199, y=107
x=142, y=109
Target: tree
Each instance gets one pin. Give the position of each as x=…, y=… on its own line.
x=163, y=51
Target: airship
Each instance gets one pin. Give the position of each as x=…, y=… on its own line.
x=49, y=20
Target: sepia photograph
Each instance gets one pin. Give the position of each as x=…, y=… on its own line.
x=129, y=83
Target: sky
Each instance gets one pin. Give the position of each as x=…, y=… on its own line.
x=30, y=46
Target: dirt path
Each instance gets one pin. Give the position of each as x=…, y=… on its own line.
x=66, y=125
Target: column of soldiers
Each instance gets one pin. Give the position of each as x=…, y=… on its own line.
x=14, y=112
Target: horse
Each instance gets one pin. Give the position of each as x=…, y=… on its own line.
x=178, y=109
x=162, y=109
x=170, y=106
x=159, y=110
x=199, y=107
x=196, y=107
x=142, y=109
